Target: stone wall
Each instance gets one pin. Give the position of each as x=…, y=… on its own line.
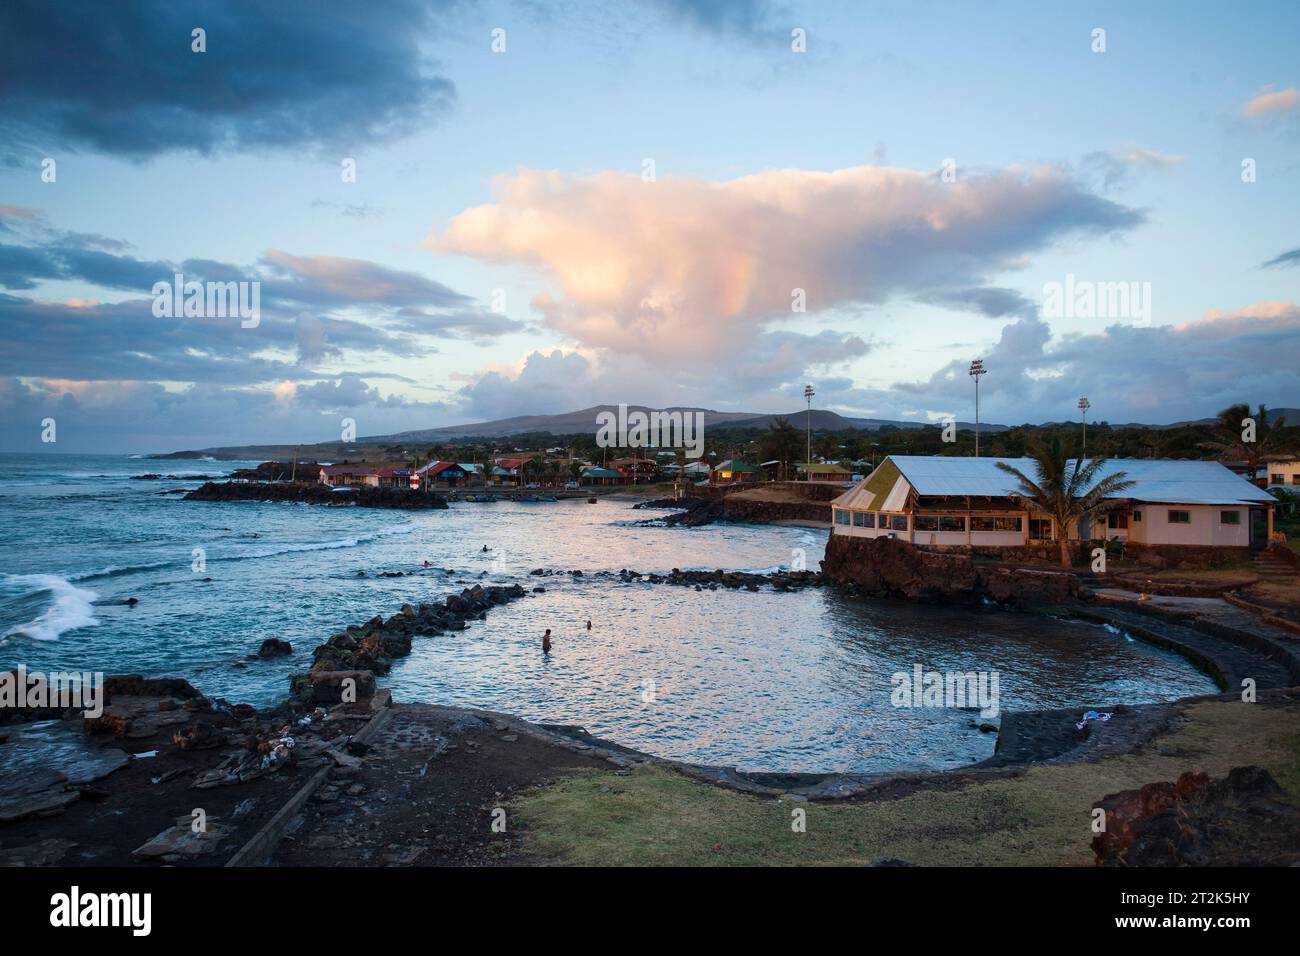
x=890, y=566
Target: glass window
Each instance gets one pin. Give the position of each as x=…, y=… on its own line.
x=1137, y=516
x=896, y=522
x=1179, y=517
x=952, y=523
x=983, y=524
x=926, y=523
x=1276, y=479
x=1116, y=521
x=1229, y=517
x=841, y=516
x=864, y=519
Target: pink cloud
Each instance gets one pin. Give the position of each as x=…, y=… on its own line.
x=685, y=268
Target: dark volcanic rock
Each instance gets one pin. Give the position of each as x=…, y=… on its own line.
x=1242, y=820
x=316, y=494
x=274, y=647
x=891, y=566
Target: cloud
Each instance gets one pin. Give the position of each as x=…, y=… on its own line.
x=1130, y=373
x=1117, y=166
x=314, y=309
x=1269, y=102
x=139, y=416
x=738, y=18
x=122, y=79
x=690, y=270
x=1289, y=258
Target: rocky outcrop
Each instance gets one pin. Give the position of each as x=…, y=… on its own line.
x=889, y=566
x=274, y=647
x=369, y=649
x=1242, y=820
x=750, y=511
x=363, y=496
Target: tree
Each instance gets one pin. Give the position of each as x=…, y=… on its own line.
x=1232, y=430
x=1065, y=488
x=781, y=442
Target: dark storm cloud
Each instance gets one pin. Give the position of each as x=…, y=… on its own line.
x=120, y=78
x=990, y=301
x=1289, y=258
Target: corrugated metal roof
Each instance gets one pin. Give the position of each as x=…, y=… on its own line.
x=1175, y=482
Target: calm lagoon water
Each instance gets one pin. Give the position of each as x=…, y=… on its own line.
x=797, y=681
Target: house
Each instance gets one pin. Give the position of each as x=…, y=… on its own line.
x=818, y=471
x=344, y=476
x=969, y=502
x=1284, y=474
x=396, y=478
x=735, y=470
x=636, y=469
x=603, y=476
x=443, y=474
x=508, y=471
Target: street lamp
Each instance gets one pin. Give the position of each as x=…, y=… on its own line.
x=808, y=395
x=976, y=370
x=1084, y=405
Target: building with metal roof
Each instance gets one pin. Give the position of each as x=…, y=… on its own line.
x=952, y=501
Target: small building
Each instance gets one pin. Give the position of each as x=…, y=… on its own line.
x=347, y=476
x=443, y=474
x=636, y=469
x=970, y=502
x=603, y=476
x=508, y=471
x=823, y=471
x=1284, y=474
x=734, y=470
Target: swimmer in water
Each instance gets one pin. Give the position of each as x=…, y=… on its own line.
x=546, y=642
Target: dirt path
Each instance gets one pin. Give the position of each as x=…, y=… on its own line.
x=426, y=792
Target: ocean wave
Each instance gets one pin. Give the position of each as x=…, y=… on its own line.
x=70, y=607
x=251, y=554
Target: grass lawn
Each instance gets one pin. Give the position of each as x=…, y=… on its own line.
x=655, y=816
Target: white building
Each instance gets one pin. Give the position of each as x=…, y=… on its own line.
x=950, y=501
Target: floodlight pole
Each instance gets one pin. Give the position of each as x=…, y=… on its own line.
x=1084, y=405
x=808, y=395
x=976, y=370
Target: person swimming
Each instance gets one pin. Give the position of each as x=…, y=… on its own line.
x=589, y=625
x=546, y=642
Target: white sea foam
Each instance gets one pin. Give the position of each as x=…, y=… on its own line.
x=70, y=607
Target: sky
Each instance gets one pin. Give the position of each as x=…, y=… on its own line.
x=456, y=212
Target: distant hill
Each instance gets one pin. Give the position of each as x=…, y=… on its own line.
x=583, y=421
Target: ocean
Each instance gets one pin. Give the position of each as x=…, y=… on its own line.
x=766, y=681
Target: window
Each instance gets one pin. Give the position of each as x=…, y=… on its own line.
x=841, y=516
x=864, y=519
x=1040, y=529
x=1276, y=479
x=1179, y=517
x=1295, y=479
x=896, y=522
x=1116, y=521
x=926, y=523
x=952, y=523
x=1137, y=516
x=1229, y=517
x=996, y=524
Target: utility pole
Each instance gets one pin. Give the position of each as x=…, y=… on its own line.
x=1084, y=405
x=976, y=370
x=808, y=394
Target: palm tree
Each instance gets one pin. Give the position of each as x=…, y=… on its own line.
x=781, y=442
x=1065, y=488
x=1229, y=440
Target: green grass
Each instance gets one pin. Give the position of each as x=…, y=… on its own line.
x=654, y=816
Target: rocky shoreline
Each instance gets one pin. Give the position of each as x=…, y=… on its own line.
x=362, y=496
